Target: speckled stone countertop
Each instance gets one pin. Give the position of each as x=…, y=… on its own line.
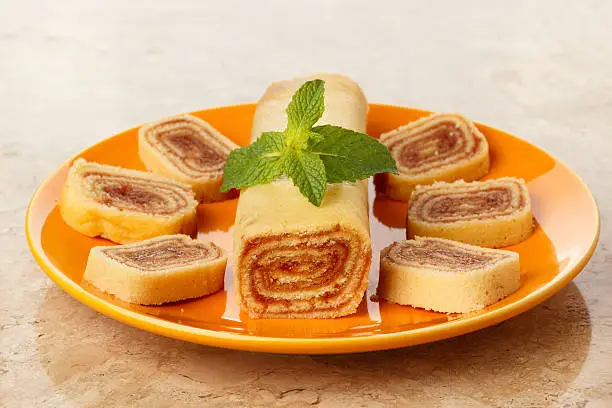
x=73, y=73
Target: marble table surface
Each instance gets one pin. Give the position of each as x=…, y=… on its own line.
x=75, y=72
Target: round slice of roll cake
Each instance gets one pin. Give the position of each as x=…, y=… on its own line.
x=446, y=276
x=440, y=147
x=187, y=149
x=492, y=213
x=125, y=205
x=159, y=270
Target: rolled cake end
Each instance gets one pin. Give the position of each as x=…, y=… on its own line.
x=321, y=274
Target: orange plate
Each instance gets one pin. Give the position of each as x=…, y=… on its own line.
x=568, y=229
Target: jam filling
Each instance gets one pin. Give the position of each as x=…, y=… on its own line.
x=190, y=147
x=317, y=271
x=135, y=194
x=436, y=145
x=163, y=254
x=439, y=255
x=467, y=204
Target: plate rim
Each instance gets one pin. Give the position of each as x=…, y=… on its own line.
x=303, y=345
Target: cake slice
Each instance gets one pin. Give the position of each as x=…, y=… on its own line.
x=125, y=205
x=439, y=147
x=187, y=149
x=446, y=276
x=159, y=270
x=492, y=213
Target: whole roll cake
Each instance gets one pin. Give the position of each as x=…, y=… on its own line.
x=292, y=259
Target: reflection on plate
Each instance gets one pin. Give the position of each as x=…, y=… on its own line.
x=567, y=232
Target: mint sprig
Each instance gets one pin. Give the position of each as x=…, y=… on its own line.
x=311, y=156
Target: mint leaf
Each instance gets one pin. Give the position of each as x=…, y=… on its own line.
x=349, y=155
x=304, y=110
x=307, y=172
x=272, y=141
x=310, y=156
x=258, y=163
x=314, y=137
